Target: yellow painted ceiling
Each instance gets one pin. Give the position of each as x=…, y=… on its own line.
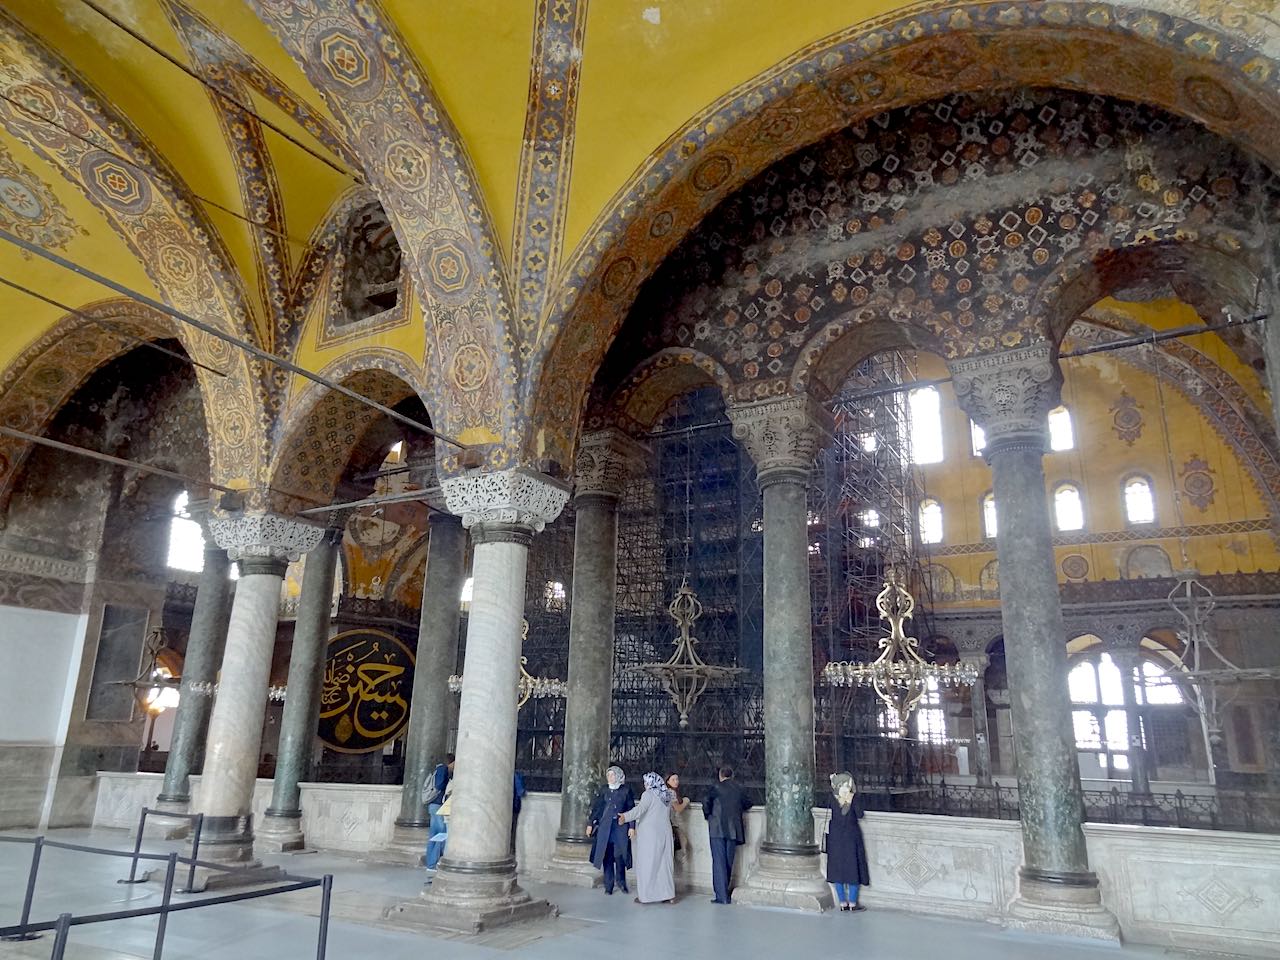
x=22, y=317
x=648, y=66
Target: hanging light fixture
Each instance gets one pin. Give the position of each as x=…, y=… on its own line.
x=528, y=687
x=684, y=675
x=899, y=675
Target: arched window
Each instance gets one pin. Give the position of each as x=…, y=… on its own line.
x=925, y=417
x=1139, y=504
x=1101, y=721
x=977, y=439
x=186, y=539
x=1062, y=435
x=989, y=516
x=930, y=521
x=1068, y=511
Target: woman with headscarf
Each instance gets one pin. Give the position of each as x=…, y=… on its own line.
x=611, y=849
x=655, y=870
x=846, y=853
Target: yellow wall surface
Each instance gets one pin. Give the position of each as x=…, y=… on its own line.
x=1098, y=465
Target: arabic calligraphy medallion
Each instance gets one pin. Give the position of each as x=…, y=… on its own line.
x=364, y=702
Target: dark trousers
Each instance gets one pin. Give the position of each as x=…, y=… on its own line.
x=723, y=851
x=615, y=868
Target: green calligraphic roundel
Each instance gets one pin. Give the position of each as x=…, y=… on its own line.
x=364, y=703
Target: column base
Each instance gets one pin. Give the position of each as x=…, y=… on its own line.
x=162, y=827
x=408, y=846
x=280, y=833
x=571, y=865
x=794, y=881
x=1067, y=909
x=227, y=840
x=469, y=898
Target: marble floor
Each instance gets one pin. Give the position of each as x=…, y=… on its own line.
x=591, y=925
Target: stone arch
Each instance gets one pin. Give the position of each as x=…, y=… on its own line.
x=157, y=216
x=834, y=351
x=415, y=160
x=989, y=580
x=1209, y=70
x=646, y=392
x=41, y=379
x=325, y=430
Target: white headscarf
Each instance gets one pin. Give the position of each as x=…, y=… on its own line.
x=615, y=777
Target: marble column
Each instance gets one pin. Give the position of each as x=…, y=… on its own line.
x=1129, y=662
x=783, y=436
x=199, y=671
x=981, y=727
x=281, y=826
x=475, y=886
x=427, y=739
x=604, y=461
x=263, y=544
x=1010, y=395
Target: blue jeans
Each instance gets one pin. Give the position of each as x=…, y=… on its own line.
x=846, y=892
x=434, y=847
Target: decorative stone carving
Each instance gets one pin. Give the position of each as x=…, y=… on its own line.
x=605, y=461
x=266, y=535
x=1009, y=395
x=783, y=434
x=36, y=566
x=518, y=495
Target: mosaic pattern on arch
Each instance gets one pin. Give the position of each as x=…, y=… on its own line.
x=159, y=220
x=942, y=221
x=413, y=154
x=546, y=154
x=29, y=209
x=931, y=51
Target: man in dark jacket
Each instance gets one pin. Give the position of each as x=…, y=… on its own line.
x=723, y=808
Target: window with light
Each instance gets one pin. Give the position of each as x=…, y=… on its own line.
x=186, y=539
x=989, y=516
x=1068, y=511
x=1099, y=717
x=930, y=522
x=925, y=411
x=977, y=438
x=1139, y=504
x=1062, y=435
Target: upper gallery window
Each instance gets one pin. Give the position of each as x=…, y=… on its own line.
x=371, y=275
x=925, y=411
x=186, y=539
x=1139, y=504
x=931, y=521
x=989, y=515
x=977, y=438
x=1062, y=435
x=1068, y=511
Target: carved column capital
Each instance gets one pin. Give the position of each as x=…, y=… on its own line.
x=783, y=435
x=264, y=536
x=1009, y=395
x=605, y=461
x=978, y=658
x=517, y=496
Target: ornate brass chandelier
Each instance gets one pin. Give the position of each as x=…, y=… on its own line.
x=528, y=687
x=685, y=676
x=899, y=675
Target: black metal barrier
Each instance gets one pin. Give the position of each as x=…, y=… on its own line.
x=25, y=929
x=196, y=818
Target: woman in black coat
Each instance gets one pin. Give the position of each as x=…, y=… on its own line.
x=846, y=853
x=611, y=845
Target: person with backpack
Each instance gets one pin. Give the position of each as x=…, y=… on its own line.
x=433, y=791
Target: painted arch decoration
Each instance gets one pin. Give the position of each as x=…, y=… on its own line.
x=1206, y=64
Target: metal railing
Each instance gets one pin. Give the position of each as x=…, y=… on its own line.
x=196, y=819
x=27, y=929
x=1246, y=811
